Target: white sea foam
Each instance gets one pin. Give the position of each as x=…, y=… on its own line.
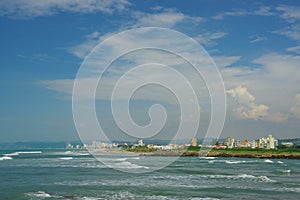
x=209, y=158
x=74, y=153
x=5, y=158
x=285, y=171
x=234, y=162
x=23, y=152
x=280, y=162
x=211, y=161
x=261, y=178
x=268, y=161
x=40, y=194
x=11, y=154
x=129, y=158
x=66, y=158
x=127, y=165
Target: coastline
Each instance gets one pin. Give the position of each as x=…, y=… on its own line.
x=224, y=153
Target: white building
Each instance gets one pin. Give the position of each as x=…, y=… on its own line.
x=230, y=142
x=267, y=143
x=140, y=142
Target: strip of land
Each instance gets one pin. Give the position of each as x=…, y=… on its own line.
x=237, y=152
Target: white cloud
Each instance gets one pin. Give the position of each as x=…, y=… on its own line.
x=289, y=13
x=33, y=8
x=280, y=67
x=257, y=38
x=248, y=109
x=295, y=49
x=209, y=38
x=292, y=32
x=261, y=11
x=230, y=13
x=82, y=49
x=225, y=61
x=164, y=18
x=295, y=110
x=274, y=81
x=274, y=78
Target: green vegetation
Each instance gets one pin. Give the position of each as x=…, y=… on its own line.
x=138, y=149
x=280, y=152
x=191, y=148
x=287, y=152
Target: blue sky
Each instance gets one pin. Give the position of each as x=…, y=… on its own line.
x=256, y=46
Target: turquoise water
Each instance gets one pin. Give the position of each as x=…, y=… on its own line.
x=57, y=174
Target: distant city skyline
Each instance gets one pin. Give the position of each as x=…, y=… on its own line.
x=255, y=45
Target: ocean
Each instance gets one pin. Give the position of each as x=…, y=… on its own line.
x=63, y=174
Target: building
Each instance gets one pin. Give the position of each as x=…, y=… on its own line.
x=140, y=142
x=194, y=142
x=253, y=144
x=230, y=142
x=267, y=143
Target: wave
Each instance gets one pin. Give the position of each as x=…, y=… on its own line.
x=284, y=171
x=66, y=158
x=5, y=158
x=268, y=161
x=22, y=152
x=241, y=176
x=130, y=158
x=76, y=153
x=127, y=165
x=262, y=178
x=108, y=195
x=236, y=162
x=43, y=195
x=207, y=158
x=231, y=161
x=218, y=176
x=40, y=194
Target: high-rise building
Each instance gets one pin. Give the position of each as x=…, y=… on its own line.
x=140, y=142
x=194, y=142
x=230, y=142
x=267, y=143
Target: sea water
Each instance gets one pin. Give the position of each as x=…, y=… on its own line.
x=62, y=174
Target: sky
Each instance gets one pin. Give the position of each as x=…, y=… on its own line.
x=254, y=44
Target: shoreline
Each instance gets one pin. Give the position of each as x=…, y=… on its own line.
x=226, y=154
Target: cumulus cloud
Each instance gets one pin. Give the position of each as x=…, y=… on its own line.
x=247, y=107
x=33, y=8
x=295, y=110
